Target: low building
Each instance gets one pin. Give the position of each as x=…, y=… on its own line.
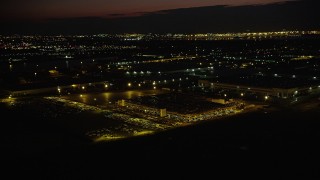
x=163, y=112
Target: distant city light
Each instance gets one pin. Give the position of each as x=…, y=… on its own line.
x=263, y=74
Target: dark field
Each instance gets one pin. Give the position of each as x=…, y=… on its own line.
x=272, y=142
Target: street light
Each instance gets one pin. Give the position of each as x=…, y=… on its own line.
x=129, y=84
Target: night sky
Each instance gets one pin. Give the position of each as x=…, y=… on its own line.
x=39, y=9
x=156, y=16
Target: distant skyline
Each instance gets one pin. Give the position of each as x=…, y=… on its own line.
x=43, y=9
x=166, y=16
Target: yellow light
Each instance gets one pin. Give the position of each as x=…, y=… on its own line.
x=129, y=84
x=81, y=95
x=242, y=94
x=83, y=87
x=106, y=85
x=139, y=85
x=73, y=85
x=266, y=97
x=154, y=87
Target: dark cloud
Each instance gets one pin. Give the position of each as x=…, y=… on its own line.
x=117, y=15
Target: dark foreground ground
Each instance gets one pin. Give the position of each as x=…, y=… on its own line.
x=264, y=144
